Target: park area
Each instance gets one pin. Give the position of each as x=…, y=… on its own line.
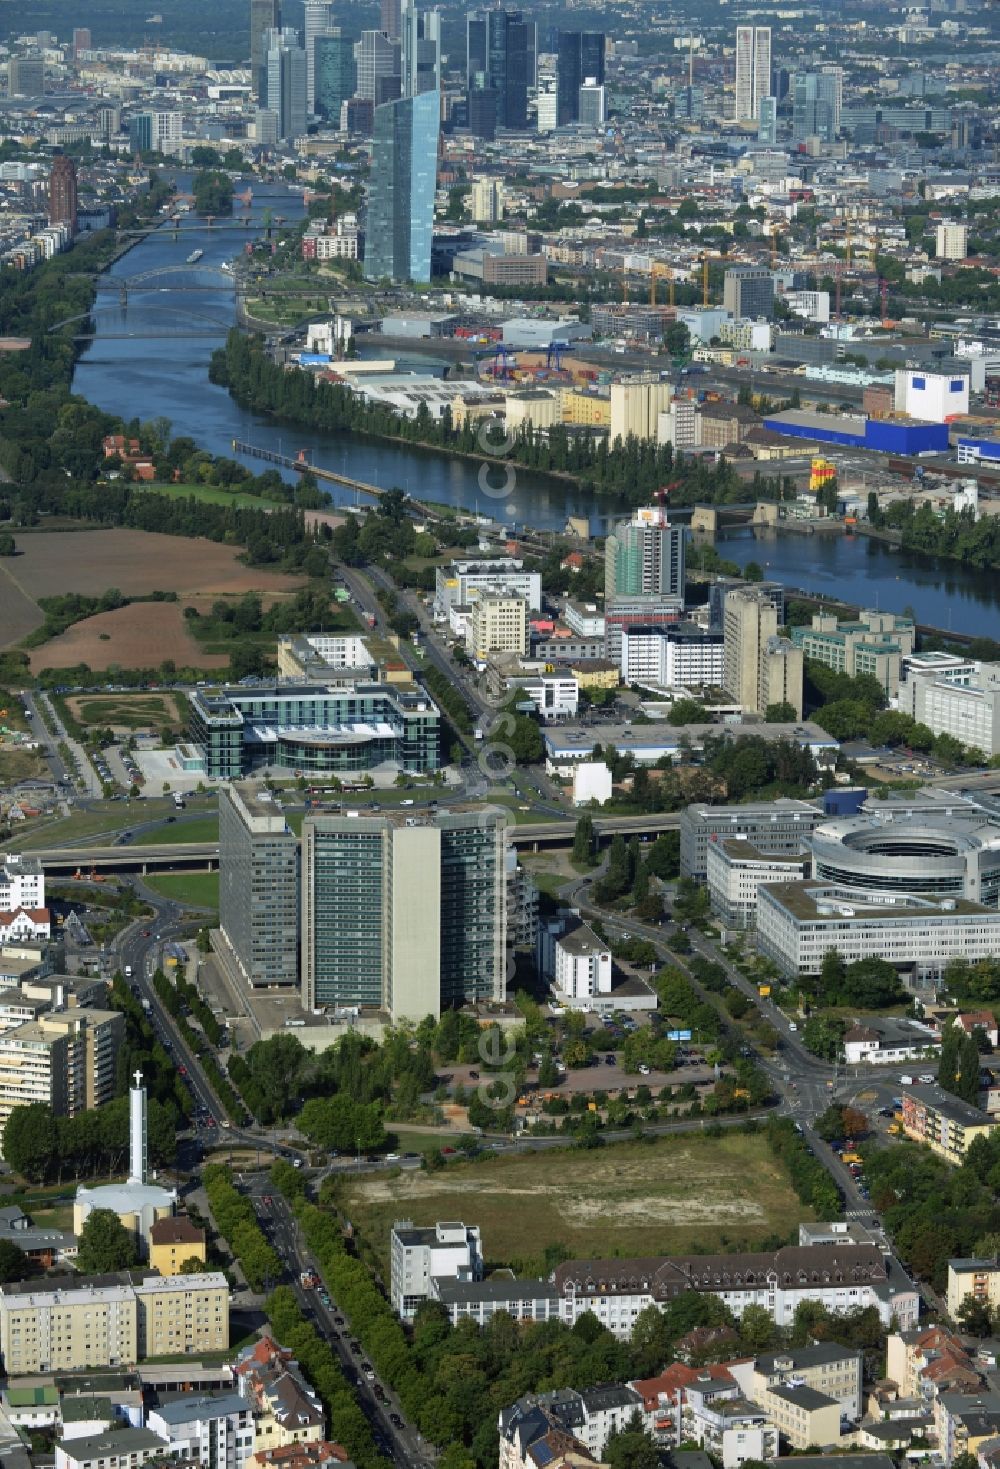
x=671, y=1196
x=137, y=563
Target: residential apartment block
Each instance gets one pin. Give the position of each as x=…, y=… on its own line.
x=288, y=1414
x=946, y=1124
x=64, y=1324
x=975, y=1279
x=215, y=1430
x=760, y=668
x=66, y=1059
x=498, y=626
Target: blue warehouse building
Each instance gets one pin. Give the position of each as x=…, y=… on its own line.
x=883, y=435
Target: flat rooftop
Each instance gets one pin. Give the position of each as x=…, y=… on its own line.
x=818, y=901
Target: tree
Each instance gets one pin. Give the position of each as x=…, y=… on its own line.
x=974, y=1317
x=30, y=1141
x=7, y=545
x=584, y=840
x=13, y=1264
x=780, y=713
x=631, y=1447
x=757, y=1328
x=687, y=711
x=105, y=1244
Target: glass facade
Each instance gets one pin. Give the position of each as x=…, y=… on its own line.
x=336, y=75
x=401, y=198
x=348, y=917
x=312, y=727
x=473, y=898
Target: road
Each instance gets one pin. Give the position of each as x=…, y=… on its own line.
x=402, y=1442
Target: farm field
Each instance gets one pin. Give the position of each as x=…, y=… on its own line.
x=139, y=636
x=675, y=1195
x=126, y=711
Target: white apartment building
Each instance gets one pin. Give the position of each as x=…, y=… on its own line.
x=22, y=883
x=66, y=1059
x=115, y=1448
x=583, y=966
x=951, y=240
x=486, y=200
x=682, y=656
x=918, y=668
x=586, y=619
x=968, y=711
x=462, y=581
x=680, y=424
x=418, y=1256
x=215, y=1430
x=736, y=872
x=798, y=923
x=499, y=624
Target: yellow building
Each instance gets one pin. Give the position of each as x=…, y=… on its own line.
x=802, y=1416
x=945, y=1123
x=596, y=673
x=978, y=1279
x=499, y=625
x=475, y=407
x=535, y=406
x=172, y=1242
x=182, y=1313
x=66, y=1059
x=592, y=410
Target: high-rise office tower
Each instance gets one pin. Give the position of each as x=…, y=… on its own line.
x=421, y=50
x=816, y=102
x=26, y=76
x=748, y=292
x=401, y=195
x=81, y=41
x=155, y=132
x=767, y=125
x=317, y=20
x=377, y=57
x=403, y=913
x=62, y=192
x=285, y=62
x=753, y=71
x=580, y=59
x=644, y=557
x=498, y=47
x=336, y=74
x=390, y=19
x=258, y=887
x=265, y=15
x=759, y=667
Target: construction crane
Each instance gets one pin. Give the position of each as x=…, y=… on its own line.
x=660, y=270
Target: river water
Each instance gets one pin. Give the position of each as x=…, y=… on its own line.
x=167, y=376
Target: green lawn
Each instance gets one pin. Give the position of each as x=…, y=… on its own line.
x=200, y=889
x=107, y=817
x=208, y=494
x=682, y=1193
x=201, y=829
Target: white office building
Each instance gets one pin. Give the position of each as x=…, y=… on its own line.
x=736, y=872
x=970, y=712
x=582, y=965
x=554, y=695
x=461, y=582
x=682, y=656
x=444, y=1251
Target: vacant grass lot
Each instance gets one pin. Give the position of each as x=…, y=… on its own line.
x=106, y=817
x=125, y=711
x=207, y=494
x=675, y=1195
x=200, y=889
x=201, y=829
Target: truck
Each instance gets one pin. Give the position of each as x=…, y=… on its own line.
x=147, y=1007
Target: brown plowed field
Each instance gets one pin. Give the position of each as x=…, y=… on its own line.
x=140, y=636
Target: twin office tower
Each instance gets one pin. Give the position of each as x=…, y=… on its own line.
x=399, y=912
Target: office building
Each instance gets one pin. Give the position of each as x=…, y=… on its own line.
x=736, y=872
x=405, y=913
x=285, y=65
x=390, y=19
x=580, y=58
x=71, y=1322
x=265, y=15
x=420, y=51
x=498, y=60
x=760, y=668
x=951, y=240
x=636, y=404
x=753, y=71
x=155, y=132
x=460, y=582
x=62, y=192
x=314, y=727
x=797, y=924
x=816, y=102
x=26, y=76
x=905, y=849
x=773, y=827
x=317, y=21
x=748, y=292
x=969, y=712
x=417, y=1256
x=644, y=557
x=582, y=967
x=65, y=1059
x=875, y=644
x=499, y=625
x=767, y=125
x=215, y=1430
x=81, y=41
x=258, y=887
x=481, y=109
x=680, y=656
x=592, y=105
x=401, y=190
x=336, y=74
x=378, y=61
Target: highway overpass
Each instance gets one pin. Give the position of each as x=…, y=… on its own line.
x=185, y=856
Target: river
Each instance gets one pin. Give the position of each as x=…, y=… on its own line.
x=167, y=376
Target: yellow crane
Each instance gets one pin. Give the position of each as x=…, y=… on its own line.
x=660, y=270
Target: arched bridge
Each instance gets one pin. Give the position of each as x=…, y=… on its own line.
x=144, y=279
x=219, y=324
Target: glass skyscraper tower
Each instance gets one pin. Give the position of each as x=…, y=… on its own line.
x=401, y=198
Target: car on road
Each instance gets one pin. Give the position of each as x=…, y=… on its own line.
x=355, y=1348
x=395, y=1420
x=927, y=1078
x=338, y=1319
x=147, y=933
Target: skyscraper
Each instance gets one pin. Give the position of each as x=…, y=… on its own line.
x=767, y=125
x=390, y=19
x=81, y=41
x=26, y=76
x=317, y=20
x=580, y=59
x=498, y=60
x=377, y=57
x=258, y=887
x=285, y=62
x=401, y=195
x=644, y=557
x=759, y=667
x=62, y=192
x=816, y=100
x=265, y=15
x=336, y=74
x=753, y=71
x=403, y=912
x=421, y=50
